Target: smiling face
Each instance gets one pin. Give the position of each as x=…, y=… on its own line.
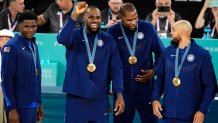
x=92, y=19
x=28, y=28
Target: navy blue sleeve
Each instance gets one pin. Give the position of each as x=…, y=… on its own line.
x=39, y=75
x=157, y=45
x=158, y=85
x=209, y=81
x=9, y=56
x=109, y=30
x=116, y=68
x=67, y=34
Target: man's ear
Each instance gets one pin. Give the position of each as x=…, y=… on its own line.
x=182, y=32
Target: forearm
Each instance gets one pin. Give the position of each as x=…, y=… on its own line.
x=153, y=21
x=65, y=36
x=75, y=16
x=41, y=20
x=200, y=20
x=172, y=22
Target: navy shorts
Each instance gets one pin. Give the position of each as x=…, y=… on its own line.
x=82, y=110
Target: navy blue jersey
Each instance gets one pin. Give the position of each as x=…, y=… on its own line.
x=198, y=83
x=148, y=42
x=21, y=86
x=78, y=81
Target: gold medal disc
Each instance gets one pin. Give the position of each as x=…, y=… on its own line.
x=37, y=72
x=132, y=60
x=91, y=67
x=176, y=81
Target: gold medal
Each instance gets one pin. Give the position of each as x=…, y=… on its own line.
x=91, y=67
x=37, y=72
x=132, y=60
x=176, y=81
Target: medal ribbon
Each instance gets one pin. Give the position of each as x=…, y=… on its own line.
x=11, y=28
x=158, y=25
x=177, y=66
x=131, y=50
x=212, y=33
x=33, y=51
x=90, y=55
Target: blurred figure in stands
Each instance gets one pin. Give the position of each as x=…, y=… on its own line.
x=9, y=16
x=57, y=14
x=208, y=18
x=110, y=16
x=163, y=17
x=5, y=35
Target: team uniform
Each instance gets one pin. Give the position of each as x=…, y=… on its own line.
x=21, y=77
x=87, y=91
x=196, y=90
x=137, y=95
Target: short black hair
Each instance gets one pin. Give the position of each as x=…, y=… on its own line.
x=126, y=8
x=27, y=15
x=91, y=7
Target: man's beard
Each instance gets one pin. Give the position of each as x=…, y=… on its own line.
x=114, y=12
x=175, y=41
x=92, y=31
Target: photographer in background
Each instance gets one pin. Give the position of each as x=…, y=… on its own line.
x=163, y=17
x=110, y=16
x=208, y=18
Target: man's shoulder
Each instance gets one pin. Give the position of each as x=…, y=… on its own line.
x=104, y=12
x=4, y=12
x=53, y=8
x=105, y=34
x=199, y=48
x=144, y=25
x=115, y=27
x=107, y=37
x=143, y=22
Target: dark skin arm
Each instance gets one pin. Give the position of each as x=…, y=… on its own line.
x=40, y=113
x=146, y=75
x=119, y=104
x=14, y=116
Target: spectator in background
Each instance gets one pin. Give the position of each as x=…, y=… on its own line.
x=208, y=17
x=57, y=14
x=110, y=16
x=163, y=17
x=186, y=79
x=1, y=4
x=5, y=35
x=9, y=16
x=21, y=73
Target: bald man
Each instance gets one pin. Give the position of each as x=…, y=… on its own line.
x=186, y=78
